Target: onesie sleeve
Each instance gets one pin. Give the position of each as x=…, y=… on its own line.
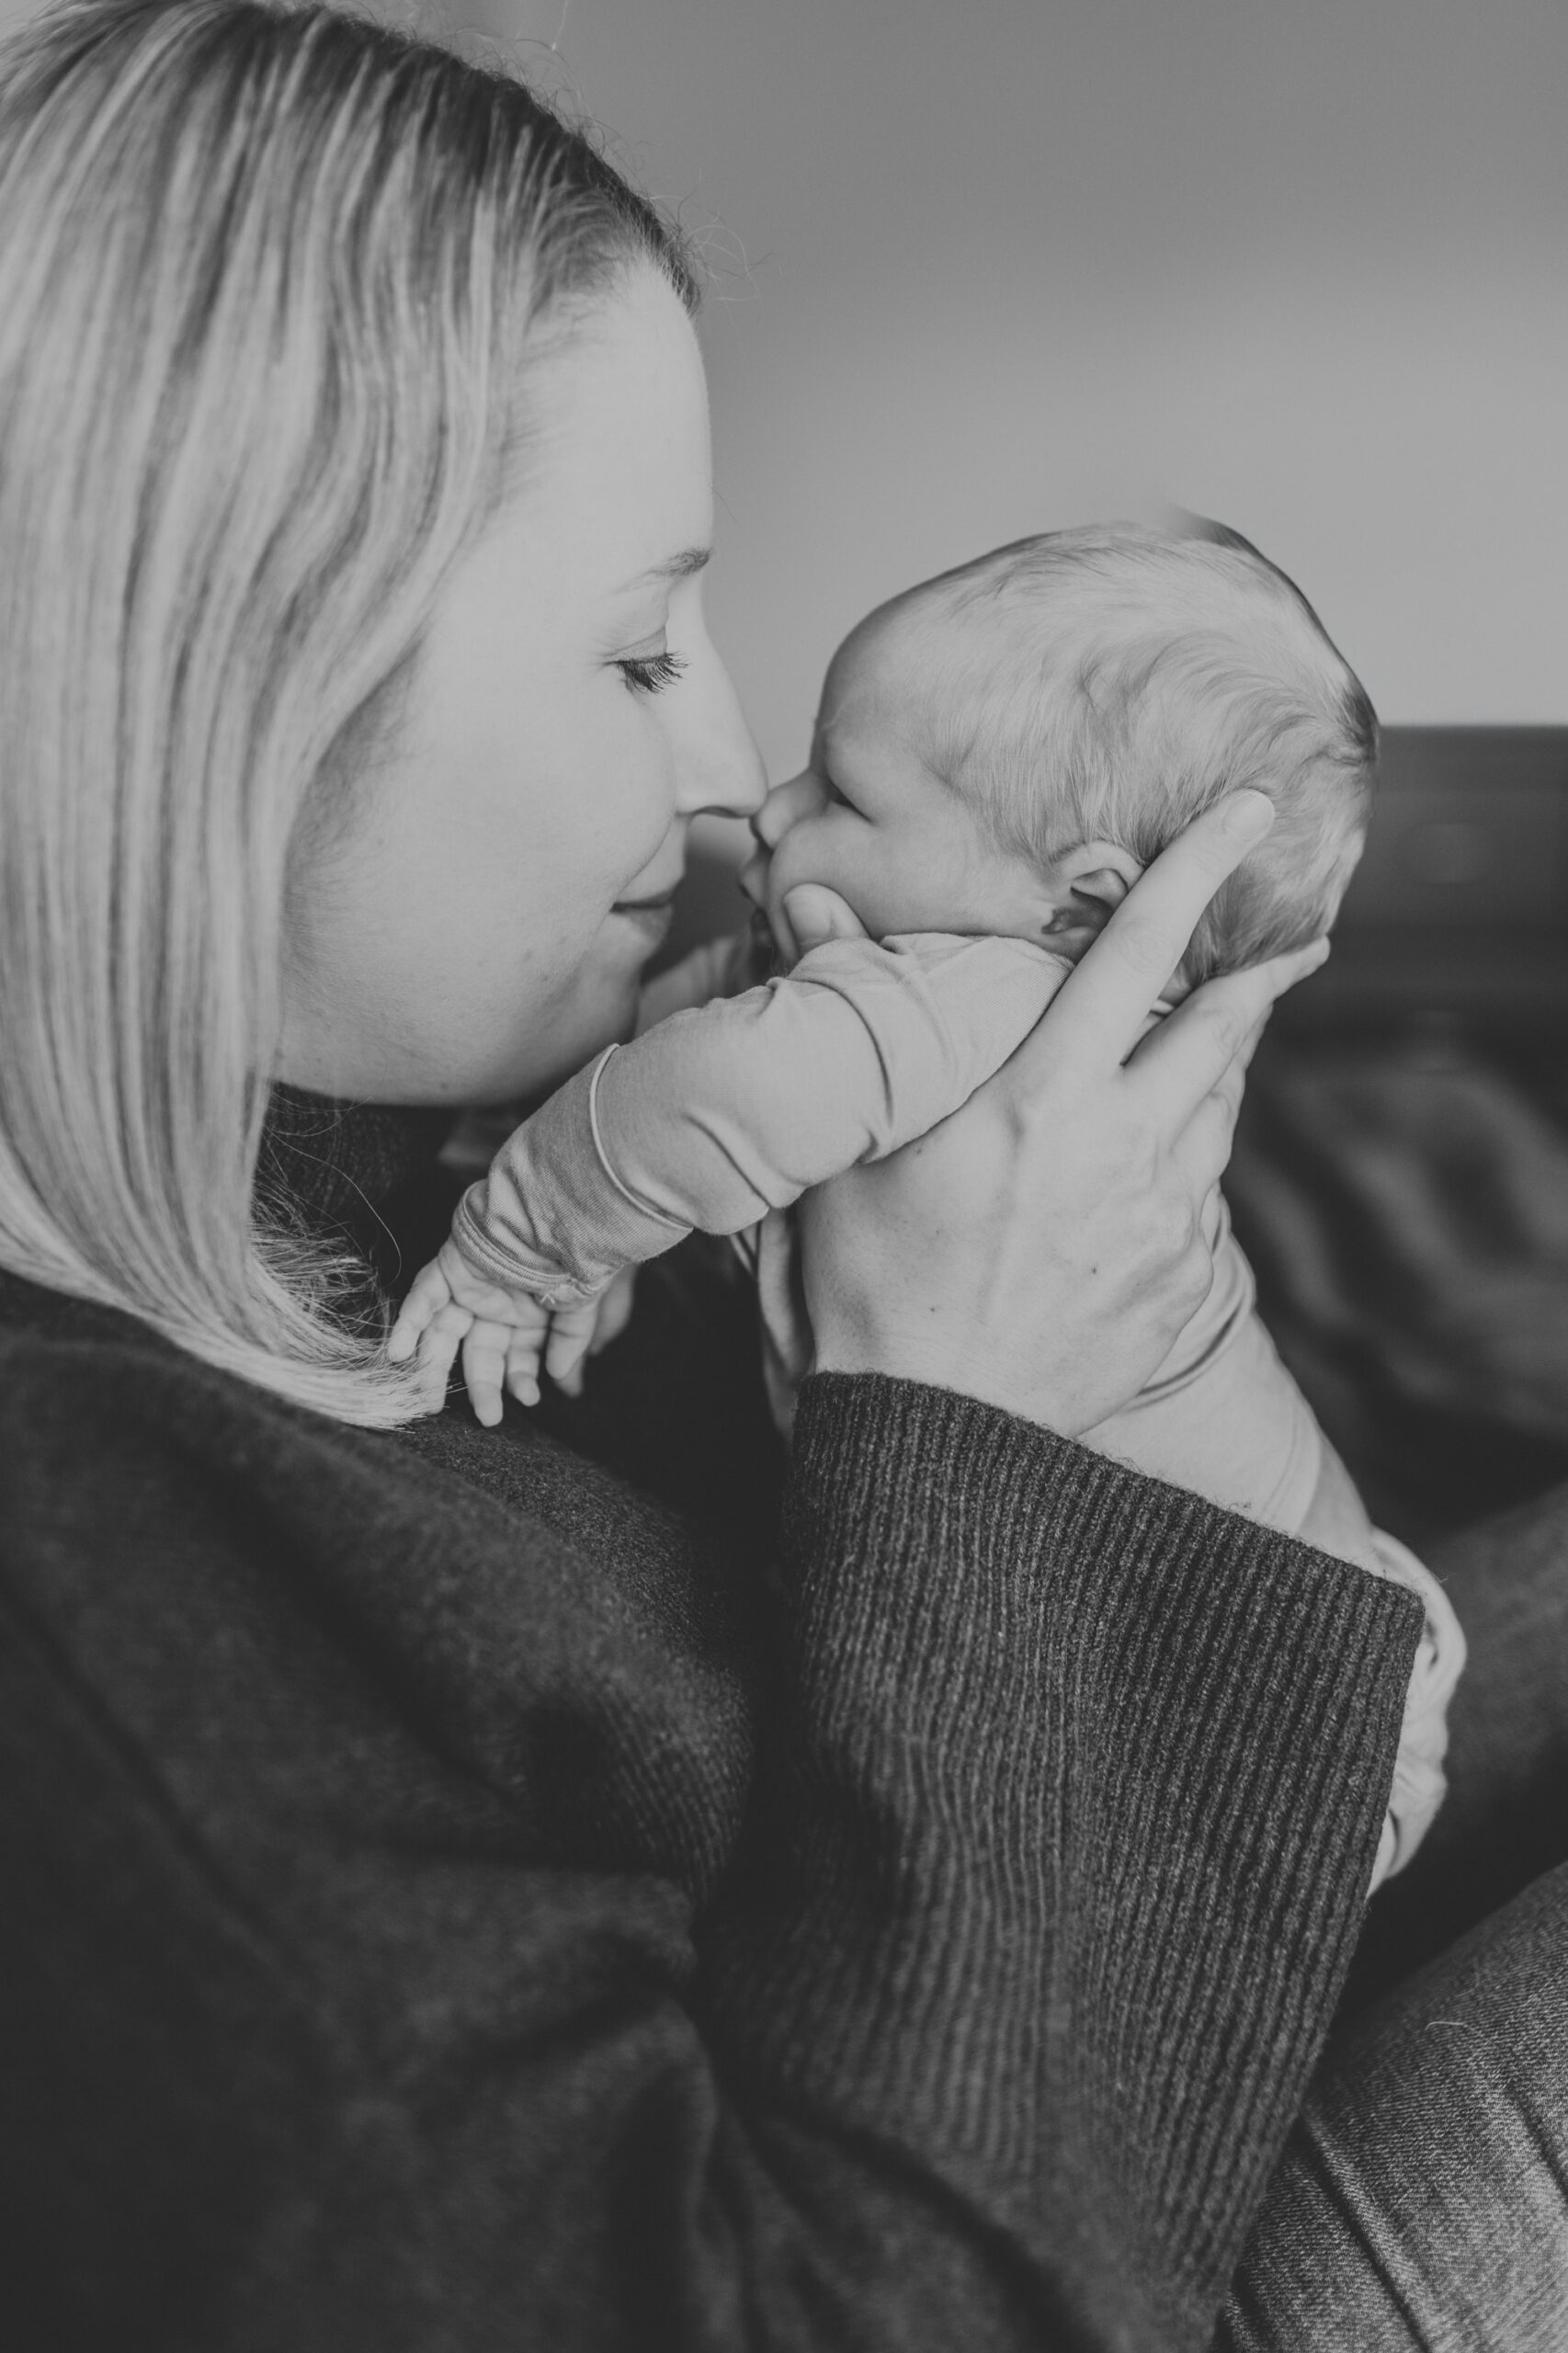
x=730, y=1108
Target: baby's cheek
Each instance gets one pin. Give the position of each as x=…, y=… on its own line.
x=812, y=851
x=848, y=857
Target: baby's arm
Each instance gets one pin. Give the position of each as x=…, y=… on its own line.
x=506, y=1336
x=722, y=1113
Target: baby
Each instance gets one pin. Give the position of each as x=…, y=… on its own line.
x=1000, y=752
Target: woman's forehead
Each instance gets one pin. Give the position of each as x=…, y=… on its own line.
x=618, y=465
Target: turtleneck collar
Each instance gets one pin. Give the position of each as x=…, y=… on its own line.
x=343, y=1166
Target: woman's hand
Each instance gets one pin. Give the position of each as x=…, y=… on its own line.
x=1042, y=1247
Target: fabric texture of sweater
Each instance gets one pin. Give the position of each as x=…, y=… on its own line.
x=741, y=1093
x=458, y=1899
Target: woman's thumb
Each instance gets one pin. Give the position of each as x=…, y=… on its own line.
x=816, y=913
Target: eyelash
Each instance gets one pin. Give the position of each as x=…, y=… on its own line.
x=653, y=675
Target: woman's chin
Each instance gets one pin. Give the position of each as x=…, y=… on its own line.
x=608, y=1019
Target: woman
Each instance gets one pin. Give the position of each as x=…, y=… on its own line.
x=452, y=1897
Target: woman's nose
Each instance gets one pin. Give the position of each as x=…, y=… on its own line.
x=718, y=763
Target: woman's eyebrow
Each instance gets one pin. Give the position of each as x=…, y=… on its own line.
x=675, y=567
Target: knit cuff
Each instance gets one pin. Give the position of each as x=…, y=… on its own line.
x=1079, y=1804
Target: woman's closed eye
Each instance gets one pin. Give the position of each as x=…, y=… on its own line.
x=650, y=674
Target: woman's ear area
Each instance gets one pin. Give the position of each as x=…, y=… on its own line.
x=1085, y=885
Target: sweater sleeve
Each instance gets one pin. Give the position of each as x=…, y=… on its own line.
x=993, y=2031
x=1061, y=1849
x=969, y=2010
x=726, y=1111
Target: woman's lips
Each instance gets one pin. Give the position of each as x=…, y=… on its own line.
x=652, y=915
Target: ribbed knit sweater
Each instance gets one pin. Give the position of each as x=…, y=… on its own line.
x=455, y=1899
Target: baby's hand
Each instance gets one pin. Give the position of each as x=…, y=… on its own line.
x=502, y=1333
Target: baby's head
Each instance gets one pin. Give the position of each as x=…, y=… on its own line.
x=1004, y=748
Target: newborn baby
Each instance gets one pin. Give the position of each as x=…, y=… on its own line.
x=1000, y=752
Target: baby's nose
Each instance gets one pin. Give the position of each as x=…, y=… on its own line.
x=786, y=805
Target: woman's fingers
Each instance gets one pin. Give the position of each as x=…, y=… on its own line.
x=1105, y=1000
x=1254, y=1038
x=1185, y=1057
x=1231, y=1084
x=1202, y=1151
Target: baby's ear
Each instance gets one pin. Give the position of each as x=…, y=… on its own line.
x=1088, y=884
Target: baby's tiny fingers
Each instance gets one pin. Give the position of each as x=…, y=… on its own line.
x=440, y=1340
x=615, y=1310
x=522, y=1368
x=569, y=1333
x=568, y=1345
x=404, y=1338
x=438, y=1354
x=484, y=1369
x=428, y=1293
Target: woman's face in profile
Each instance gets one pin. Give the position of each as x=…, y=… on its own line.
x=481, y=929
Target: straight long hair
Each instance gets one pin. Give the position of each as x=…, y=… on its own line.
x=270, y=280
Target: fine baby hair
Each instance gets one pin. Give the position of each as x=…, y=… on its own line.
x=1110, y=682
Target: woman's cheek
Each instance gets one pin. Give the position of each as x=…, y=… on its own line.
x=609, y=784
x=645, y=796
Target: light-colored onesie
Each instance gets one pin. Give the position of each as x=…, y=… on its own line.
x=722, y=1114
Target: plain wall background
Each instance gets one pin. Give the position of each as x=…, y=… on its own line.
x=988, y=267
x=994, y=266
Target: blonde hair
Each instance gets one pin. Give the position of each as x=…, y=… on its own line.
x=1108, y=683
x=267, y=275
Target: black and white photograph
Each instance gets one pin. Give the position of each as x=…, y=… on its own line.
x=783, y=1177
